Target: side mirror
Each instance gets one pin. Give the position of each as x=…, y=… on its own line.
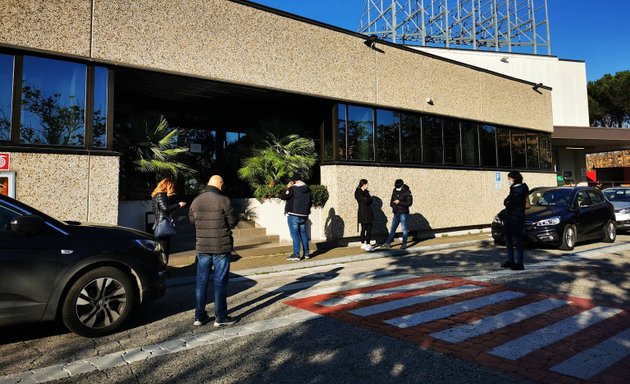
x=29, y=224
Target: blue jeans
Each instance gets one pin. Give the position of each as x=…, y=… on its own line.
x=511, y=240
x=297, y=228
x=399, y=218
x=221, y=262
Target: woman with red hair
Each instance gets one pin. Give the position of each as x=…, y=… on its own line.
x=162, y=208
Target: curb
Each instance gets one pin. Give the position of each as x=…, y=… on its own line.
x=243, y=274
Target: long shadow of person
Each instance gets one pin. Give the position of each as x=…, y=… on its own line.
x=379, y=227
x=280, y=293
x=420, y=228
x=334, y=226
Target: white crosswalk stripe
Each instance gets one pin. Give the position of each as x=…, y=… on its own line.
x=382, y=292
x=419, y=299
x=453, y=309
x=492, y=323
x=321, y=290
x=592, y=361
x=524, y=345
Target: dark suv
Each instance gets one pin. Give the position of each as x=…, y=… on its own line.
x=561, y=216
x=89, y=276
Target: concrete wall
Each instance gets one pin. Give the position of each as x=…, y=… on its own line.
x=567, y=78
x=237, y=43
x=442, y=198
x=68, y=187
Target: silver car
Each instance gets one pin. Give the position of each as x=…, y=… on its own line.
x=620, y=198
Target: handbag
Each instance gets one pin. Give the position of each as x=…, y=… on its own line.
x=165, y=228
x=528, y=205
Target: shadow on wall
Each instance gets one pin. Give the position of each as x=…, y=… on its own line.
x=420, y=228
x=334, y=228
x=380, y=219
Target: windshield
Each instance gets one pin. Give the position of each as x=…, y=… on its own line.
x=617, y=195
x=545, y=197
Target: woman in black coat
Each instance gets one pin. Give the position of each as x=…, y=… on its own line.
x=365, y=215
x=162, y=208
x=513, y=217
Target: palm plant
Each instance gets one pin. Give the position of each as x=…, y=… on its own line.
x=277, y=160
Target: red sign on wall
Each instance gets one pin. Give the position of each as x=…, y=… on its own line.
x=4, y=161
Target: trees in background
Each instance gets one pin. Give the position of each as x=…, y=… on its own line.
x=609, y=100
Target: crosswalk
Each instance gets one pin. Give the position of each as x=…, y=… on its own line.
x=543, y=338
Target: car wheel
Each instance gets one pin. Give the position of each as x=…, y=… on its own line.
x=610, y=232
x=569, y=238
x=99, y=302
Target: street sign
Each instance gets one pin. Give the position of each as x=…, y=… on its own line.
x=4, y=161
x=497, y=180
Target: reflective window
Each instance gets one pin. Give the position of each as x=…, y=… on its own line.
x=596, y=196
x=503, y=147
x=518, y=150
x=470, y=143
x=532, y=151
x=233, y=137
x=411, y=138
x=432, y=140
x=6, y=90
x=99, y=123
x=360, y=133
x=6, y=216
x=487, y=145
x=545, y=150
x=53, y=102
x=452, y=143
x=341, y=132
x=387, y=135
x=327, y=150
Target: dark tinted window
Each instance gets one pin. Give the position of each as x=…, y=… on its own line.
x=6, y=216
x=470, y=143
x=617, y=194
x=560, y=197
x=582, y=199
x=53, y=102
x=411, y=131
x=432, y=140
x=487, y=147
x=6, y=90
x=532, y=151
x=503, y=147
x=452, y=142
x=99, y=123
x=545, y=150
x=519, y=160
x=387, y=135
x=341, y=132
x=360, y=133
x=596, y=196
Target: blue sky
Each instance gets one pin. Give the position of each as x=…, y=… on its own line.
x=595, y=31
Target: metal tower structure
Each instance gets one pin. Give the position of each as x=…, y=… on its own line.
x=499, y=25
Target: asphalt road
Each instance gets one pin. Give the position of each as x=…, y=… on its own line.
x=299, y=326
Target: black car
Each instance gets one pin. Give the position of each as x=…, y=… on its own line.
x=562, y=216
x=89, y=276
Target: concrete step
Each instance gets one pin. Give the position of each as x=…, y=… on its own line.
x=248, y=232
x=275, y=248
x=255, y=240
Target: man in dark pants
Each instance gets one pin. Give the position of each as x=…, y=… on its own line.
x=400, y=202
x=297, y=208
x=211, y=214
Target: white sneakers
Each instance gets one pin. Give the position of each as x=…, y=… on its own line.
x=367, y=247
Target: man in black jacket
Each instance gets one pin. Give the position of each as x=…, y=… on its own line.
x=297, y=208
x=400, y=202
x=211, y=214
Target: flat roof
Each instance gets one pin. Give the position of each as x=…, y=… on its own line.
x=592, y=139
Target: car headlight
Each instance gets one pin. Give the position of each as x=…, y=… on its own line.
x=547, y=222
x=497, y=220
x=148, y=244
x=623, y=211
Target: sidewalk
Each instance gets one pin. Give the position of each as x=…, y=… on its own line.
x=182, y=265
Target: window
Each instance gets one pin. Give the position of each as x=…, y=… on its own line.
x=545, y=150
x=518, y=150
x=452, y=142
x=53, y=102
x=341, y=132
x=432, y=140
x=411, y=134
x=387, y=135
x=6, y=216
x=582, y=199
x=6, y=90
x=327, y=150
x=360, y=133
x=596, y=196
x=487, y=145
x=99, y=120
x=470, y=143
x=503, y=147
x=532, y=151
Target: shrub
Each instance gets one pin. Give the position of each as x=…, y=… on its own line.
x=320, y=195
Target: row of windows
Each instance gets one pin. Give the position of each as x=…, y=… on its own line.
x=366, y=134
x=59, y=103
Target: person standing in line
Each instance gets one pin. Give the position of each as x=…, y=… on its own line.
x=162, y=208
x=211, y=214
x=400, y=202
x=513, y=217
x=365, y=216
x=297, y=208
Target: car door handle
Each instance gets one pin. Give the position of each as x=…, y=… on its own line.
x=67, y=251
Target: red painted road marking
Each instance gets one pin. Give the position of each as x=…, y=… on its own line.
x=536, y=365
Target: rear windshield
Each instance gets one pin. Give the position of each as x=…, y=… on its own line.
x=545, y=197
x=618, y=195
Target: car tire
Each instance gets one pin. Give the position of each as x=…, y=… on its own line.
x=610, y=232
x=99, y=302
x=569, y=238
